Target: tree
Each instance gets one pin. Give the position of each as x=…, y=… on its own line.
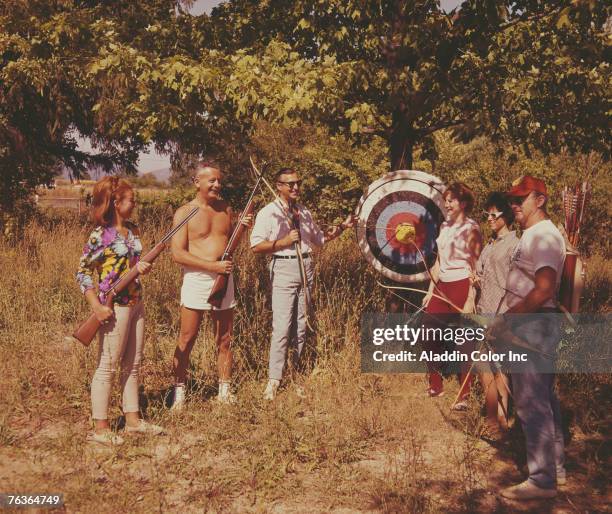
x=128, y=74
x=404, y=70
x=182, y=167
x=146, y=180
x=46, y=98
x=545, y=80
x=334, y=172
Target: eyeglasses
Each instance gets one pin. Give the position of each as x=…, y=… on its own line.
x=486, y=215
x=291, y=183
x=519, y=200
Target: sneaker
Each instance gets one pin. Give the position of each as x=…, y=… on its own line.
x=460, y=406
x=179, y=398
x=145, y=428
x=527, y=491
x=106, y=438
x=271, y=389
x=432, y=393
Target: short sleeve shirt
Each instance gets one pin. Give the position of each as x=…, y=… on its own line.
x=492, y=269
x=541, y=245
x=271, y=223
x=109, y=256
x=453, y=251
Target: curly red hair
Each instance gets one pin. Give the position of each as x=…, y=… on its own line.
x=462, y=193
x=107, y=191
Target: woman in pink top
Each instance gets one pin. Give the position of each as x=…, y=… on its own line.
x=459, y=245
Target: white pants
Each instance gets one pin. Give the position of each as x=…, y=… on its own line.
x=288, y=312
x=120, y=343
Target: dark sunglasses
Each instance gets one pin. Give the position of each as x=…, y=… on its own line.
x=291, y=183
x=518, y=200
x=491, y=215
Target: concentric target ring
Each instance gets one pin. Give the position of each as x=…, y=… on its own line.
x=399, y=213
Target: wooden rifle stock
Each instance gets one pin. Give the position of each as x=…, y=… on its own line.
x=87, y=330
x=219, y=288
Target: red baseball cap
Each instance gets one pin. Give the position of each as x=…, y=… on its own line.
x=524, y=185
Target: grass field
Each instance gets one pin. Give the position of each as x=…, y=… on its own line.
x=356, y=443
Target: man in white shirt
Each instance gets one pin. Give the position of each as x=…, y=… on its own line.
x=280, y=228
x=531, y=292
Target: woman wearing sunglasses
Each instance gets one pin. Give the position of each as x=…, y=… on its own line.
x=491, y=272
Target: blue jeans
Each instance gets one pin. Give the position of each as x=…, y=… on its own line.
x=537, y=405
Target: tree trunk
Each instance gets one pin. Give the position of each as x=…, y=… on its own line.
x=401, y=142
x=401, y=147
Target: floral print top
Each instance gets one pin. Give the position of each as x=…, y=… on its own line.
x=111, y=256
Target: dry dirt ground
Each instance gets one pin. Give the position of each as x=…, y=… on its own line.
x=384, y=447
x=355, y=443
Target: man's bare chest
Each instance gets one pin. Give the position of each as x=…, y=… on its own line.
x=209, y=224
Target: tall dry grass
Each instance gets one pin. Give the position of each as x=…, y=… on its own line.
x=44, y=400
x=355, y=442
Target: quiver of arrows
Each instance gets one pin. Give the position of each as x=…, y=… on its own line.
x=574, y=269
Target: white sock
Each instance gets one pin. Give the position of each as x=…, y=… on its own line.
x=179, y=393
x=224, y=388
x=271, y=388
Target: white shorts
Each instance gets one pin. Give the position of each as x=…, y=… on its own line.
x=197, y=285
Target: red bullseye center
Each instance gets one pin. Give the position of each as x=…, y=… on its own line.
x=404, y=218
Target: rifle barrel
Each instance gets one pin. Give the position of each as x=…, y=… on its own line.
x=173, y=231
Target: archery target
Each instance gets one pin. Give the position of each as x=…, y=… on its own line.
x=399, y=219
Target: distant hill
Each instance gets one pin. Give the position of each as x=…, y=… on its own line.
x=161, y=174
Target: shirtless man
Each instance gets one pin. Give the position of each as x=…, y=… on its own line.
x=197, y=247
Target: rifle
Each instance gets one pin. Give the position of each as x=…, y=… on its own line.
x=86, y=331
x=219, y=288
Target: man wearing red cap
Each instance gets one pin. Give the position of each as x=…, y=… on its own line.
x=531, y=291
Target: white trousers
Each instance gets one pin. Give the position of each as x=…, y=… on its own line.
x=120, y=344
x=288, y=312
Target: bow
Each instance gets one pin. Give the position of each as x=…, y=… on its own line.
x=506, y=335
x=309, y=314
x=219, y=288
x=405, y=288
x=442, y=296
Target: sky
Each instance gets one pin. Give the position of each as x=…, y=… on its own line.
x=151, y=161
x=201, y=6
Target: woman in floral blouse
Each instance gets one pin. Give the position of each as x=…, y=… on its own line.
x=112, y=249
